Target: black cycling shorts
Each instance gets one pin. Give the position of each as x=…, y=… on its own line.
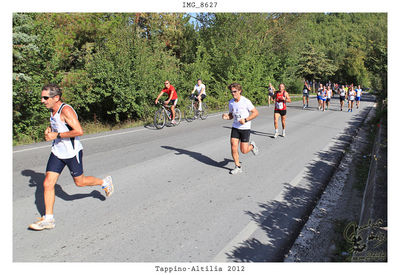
x=281, y=112
x=242, y=135
x=203, y=96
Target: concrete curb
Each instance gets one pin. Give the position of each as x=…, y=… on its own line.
x=326, y=202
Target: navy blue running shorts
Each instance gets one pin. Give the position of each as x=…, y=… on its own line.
x=75, y=166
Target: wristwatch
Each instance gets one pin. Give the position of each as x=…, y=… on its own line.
x=59, y=135
x=245, y=120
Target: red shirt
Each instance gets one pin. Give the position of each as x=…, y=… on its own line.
x=280, y=103
x=169, y=91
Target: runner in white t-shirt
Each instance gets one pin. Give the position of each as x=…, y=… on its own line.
x=242, y=111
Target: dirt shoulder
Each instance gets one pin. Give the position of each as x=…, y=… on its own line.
x=349, y=223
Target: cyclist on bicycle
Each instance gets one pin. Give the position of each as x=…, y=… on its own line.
x=201, y=93
x=172, y=97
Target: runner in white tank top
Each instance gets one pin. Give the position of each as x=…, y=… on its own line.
x=66, y=151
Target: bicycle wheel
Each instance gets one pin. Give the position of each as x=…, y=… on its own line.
x=204, y=111
x=189, y=113
x=159, y=119
x=177, y=116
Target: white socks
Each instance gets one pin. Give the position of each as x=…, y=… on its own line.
x=48, y=217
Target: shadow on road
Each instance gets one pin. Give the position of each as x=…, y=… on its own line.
x=310, y=109
x=200, y=157
x=36, y=180
x=281, y=220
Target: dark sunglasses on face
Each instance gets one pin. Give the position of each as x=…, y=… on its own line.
x=47, y=97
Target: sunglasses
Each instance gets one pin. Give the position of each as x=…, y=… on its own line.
x=47, y=97
x=234, y=92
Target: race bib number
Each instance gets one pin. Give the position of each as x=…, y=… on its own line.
x=279, y=105
x=237, y=116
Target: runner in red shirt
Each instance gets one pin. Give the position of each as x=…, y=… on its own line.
x=281, y=97
x=172, y=97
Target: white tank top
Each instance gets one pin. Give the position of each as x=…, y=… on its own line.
x=64, y=148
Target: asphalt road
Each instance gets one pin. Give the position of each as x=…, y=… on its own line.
x=174, y=198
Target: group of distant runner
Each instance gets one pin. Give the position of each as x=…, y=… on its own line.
x=65, y=129
x=326, y=92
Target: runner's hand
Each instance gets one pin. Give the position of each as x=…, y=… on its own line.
x=50, y=136
x=225, y=116
x=48, y=130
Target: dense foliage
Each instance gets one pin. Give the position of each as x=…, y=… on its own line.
x=112, y=66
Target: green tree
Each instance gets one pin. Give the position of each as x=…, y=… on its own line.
x=313, y=65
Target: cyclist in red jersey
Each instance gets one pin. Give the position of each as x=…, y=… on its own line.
x=281, y=97
x=172, y=97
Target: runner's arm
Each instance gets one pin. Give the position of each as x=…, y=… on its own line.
x=288, y=100
x=72, y=120
x=158, y=97
x=253, y=115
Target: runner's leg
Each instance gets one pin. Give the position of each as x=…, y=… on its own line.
x=49, y=193
x=234, y=150
x=82, y=181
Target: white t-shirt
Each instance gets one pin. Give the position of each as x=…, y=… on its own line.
x=358, y=91
x=198, y=88
x=240, y=110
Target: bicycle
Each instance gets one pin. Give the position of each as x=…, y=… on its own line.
x=191, y=112
x=163, y=116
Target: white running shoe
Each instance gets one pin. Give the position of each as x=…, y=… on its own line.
x=237, y=170
x=283, y=134
x=255, y=148
x=108, y=186
x=43, y=223
x=276, y=135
